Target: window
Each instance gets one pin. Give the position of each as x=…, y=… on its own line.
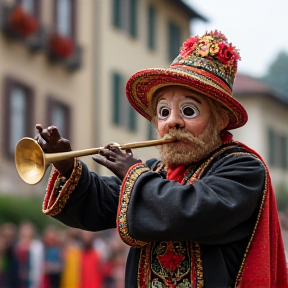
x=65, y=18
x=133, y=18
x=124, y=15
x=123, y=113
x=59, y=115
x=18, y=104
x=174, y=38
x=151, y=135
x=117, y=13
x=31, y=6
x=284, y=147
x=277, y=145
x=151, y=27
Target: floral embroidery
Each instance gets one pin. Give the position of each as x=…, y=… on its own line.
x=171, y=260
x=171, y=263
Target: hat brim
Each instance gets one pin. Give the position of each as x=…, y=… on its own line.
x=142, y=85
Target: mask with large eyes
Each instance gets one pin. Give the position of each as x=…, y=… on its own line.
x=188, y=110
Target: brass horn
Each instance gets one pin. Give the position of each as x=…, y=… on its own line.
x=30, y=160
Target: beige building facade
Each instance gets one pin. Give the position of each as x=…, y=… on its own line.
x=66, y=62
x=266, y=130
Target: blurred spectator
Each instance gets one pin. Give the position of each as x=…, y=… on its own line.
x=53, y=257
x=69, y=258
x=72, y=254
x=3, y=263
x=29, y=252
x=9, y=264
x=115, y=267
x=91, y=264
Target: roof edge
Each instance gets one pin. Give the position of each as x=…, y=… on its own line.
x=191, y=12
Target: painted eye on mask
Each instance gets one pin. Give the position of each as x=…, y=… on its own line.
x=189, y=111
x=163, y=112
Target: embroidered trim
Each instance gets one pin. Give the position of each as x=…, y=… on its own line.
x=144, y=272
x=241, y=270
x=197, y=265
x=203, y=167
x=131, y=176
x=58, y=191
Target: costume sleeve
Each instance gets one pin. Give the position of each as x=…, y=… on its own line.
x=85, y=200
x=215, y=209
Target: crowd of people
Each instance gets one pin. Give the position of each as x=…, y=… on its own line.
x=60, y=258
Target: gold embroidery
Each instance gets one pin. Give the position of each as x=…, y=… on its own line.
x=55, y=200
x=129, y=181
x=240, y=272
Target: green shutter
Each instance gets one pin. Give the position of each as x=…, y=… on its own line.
x=174, y=39
x=151, y=27
x=271, y=147
x=150, y=134
x=116, y=97
x=133, y=18
x=132, y=118
x=284, y=145
x=117, y=13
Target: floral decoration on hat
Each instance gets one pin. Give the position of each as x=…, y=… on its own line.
x=206, y=64
x=208, y=51
x=213, y=46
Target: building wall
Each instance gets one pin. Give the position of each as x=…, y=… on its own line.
x=264, y=113
x=50, y=79
x=88, y=90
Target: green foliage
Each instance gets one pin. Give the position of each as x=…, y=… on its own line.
x=277, y=76
x=282, y=197
x=17, y=209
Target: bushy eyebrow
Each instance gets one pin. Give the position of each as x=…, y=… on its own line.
x=186, y=96
x=194, y=98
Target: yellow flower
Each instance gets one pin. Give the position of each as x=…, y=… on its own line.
x=204, y=48
x=214, y=49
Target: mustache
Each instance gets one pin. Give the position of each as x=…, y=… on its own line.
x=185, y=136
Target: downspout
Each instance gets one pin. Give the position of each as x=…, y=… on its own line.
x=96, y=59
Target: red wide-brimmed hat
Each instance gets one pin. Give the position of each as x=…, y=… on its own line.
x=206, y=64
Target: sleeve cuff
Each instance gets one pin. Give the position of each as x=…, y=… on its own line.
x=59, y=189
x=126, y=189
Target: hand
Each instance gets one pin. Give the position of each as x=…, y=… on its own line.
x=51, y=142
x=115, y=160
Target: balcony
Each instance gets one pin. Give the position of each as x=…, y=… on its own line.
x=18, y=25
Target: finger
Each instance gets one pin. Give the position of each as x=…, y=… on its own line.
x=114, y=149
x=54, y=134
x=50, y=134
x=103, y=161
x=129, y=151
x=108, y=154
x=45, y=134
x=39, y=127
x=54, y=131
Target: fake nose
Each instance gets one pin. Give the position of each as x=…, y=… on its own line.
x=175, y=120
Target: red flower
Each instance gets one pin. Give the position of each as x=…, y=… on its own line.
x=61, y=46
x=226, y=53
x=23, y=23
x=188, y=46
x=218, y=34
x=170, y=260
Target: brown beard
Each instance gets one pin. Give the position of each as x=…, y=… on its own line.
x=196, y=149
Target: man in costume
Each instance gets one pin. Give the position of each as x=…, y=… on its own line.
x=204, y=215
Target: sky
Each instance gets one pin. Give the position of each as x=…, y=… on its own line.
x=258, y=28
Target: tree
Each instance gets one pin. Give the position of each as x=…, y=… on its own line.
x=277, y=75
